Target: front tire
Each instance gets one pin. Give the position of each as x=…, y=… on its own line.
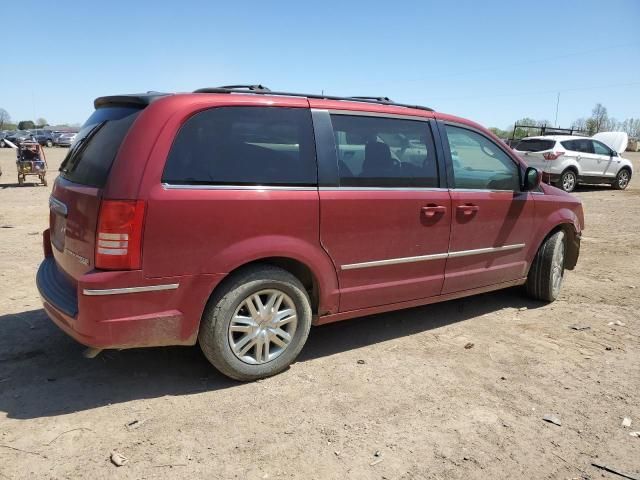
x=622, y=179
x=568, y=181
x=547, y=270
x=256, y=324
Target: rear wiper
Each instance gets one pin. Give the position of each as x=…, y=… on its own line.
x=70, y=162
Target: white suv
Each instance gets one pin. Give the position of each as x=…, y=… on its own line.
x=569, y=160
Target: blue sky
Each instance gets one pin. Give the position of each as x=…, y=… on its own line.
x=492, y=61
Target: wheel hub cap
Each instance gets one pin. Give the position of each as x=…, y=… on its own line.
x=262, y=326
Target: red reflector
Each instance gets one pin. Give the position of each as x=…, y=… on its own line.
x=119, y=235
x=552, y=155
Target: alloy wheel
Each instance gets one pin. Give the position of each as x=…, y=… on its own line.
x=262, y=326
x=568, y=181
x=623, y=179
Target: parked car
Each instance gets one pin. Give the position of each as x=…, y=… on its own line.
x=44, y=137
x=569, y=160
x=3, y=135
x=65, y=139
x=19, y=136
x=237, y=219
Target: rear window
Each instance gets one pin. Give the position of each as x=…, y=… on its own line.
x=96, y=145
x=244, y=146
x=535, y=145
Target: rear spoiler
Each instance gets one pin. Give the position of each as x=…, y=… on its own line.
x=135, y=100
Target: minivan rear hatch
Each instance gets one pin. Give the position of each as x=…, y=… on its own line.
x=75, y=199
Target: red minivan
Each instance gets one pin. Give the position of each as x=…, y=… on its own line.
x=237, y=217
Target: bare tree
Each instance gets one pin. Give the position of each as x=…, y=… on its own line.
x=599, y=117
x=41, y=122
x=579, y=124
x=4, y=117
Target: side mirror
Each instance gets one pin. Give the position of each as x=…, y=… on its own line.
x=532, y=179
x=614, y=153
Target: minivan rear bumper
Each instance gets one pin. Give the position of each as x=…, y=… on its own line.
x=123, y=309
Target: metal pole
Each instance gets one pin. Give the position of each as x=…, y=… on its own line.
x=557, y=105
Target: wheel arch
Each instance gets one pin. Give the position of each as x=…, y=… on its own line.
x=572, y=244
x=312, y=268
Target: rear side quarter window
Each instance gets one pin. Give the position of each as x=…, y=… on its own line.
x=244, y=146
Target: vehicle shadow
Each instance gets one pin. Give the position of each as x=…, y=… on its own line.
x=43, y=373
x=17, y=185
x=594, y=188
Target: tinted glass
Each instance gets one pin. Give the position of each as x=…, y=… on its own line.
x=478, y=163
x=601, y=148
x=244, y=146
x=96, y=145
x=578, y=145
x=535, y=145
x=384, y=152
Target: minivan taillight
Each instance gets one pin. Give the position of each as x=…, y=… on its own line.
x=119, y=235
x=552, y=155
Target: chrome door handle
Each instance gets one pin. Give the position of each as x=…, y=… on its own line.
x=431, y=211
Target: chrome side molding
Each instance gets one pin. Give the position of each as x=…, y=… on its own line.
x=436, y=256
x=121, y=291
x=394, y=261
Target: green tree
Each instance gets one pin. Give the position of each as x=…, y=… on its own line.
x=499, y=132
x=26, y=125
x=41, y=122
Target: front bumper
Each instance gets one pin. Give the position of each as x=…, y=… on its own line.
x=108, y=310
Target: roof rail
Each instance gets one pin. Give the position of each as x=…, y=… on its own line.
x=259, y=89
x=376, y=99
x=252, y=88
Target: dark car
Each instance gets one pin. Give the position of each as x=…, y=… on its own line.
x=237, y=219
x=4, y=134
x=19, y=136
x=44, y=137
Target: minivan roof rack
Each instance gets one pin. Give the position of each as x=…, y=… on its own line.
x=261, y=90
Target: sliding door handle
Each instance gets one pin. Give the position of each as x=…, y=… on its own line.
x=468, y=209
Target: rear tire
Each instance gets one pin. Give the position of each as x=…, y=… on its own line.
x=49, y=143
x=568, y=181
x=248, y=338
x=547, y=270
x=622, y=179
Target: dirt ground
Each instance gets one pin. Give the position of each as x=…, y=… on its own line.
x=392, y=396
